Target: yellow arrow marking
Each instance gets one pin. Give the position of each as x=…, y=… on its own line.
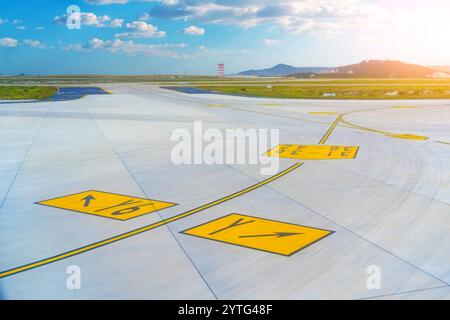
x=135, y=232
x=258, y=233
x=146, y=228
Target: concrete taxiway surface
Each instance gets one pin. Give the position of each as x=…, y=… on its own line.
x=389, y=207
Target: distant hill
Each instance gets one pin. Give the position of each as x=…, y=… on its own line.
x=385, y=69
x=380, y=69
x=441, y=68
x=364, y=69
x=281, y=70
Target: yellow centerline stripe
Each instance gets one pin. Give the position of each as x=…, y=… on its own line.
x=106, y=90
x=330, y=131
x=135, y=232
x=365, y=128
x=146, y=228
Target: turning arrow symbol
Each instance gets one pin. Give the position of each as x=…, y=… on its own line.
x=275, y=234
x=88, y=200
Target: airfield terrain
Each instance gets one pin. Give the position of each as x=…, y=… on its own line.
x=388, y=206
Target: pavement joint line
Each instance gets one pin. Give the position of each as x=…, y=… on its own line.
x=191, y=212
x=403, y=157
x=386, y=184
x=323, y=140
x=359, y=236
x=152, y=226
x=244, y=110
x=346, y=123
x=404, y=292
x=158, y=224
x=2, y=203
x=343, y=124
x=354, y=233
x=402, y=188
x=442, y=142
x=157, y=211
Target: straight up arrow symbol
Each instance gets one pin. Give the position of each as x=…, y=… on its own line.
x=87, y=200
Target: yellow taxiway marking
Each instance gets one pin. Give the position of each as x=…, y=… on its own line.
x=403, y=107
x=313, y=152
x=135, y=232
x=322, y=113
x=331, y=129
x=107, y=91
x=260, y=234
x=407, y=136
x=108, y=205
x=364, y=128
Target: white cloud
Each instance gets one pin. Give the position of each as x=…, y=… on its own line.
x=17, y=21
x=194, y=31
x=116, y=23
x=21, y=28
x=34, y=44
x=144, y=17
x=39, y=28
x=307, y=16
x=91, y=19
x=106, y=2
x=3, y=21
x=74, y=47
x=141, y=29
x=223, y=53
x=9, y=42
x=131, y=48
x=169, y=2
x=271, y=42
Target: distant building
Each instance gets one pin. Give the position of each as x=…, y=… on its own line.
x=439, y=75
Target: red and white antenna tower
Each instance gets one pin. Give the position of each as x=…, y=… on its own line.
x=221, y=70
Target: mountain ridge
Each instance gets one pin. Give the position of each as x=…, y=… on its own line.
x=281, y=70
x=441, y=68
x=364, y=69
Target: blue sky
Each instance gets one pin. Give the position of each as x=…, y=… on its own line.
x=192, y=36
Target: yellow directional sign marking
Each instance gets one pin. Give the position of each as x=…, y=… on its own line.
x=108, y=205
x=260, y=234
x=323, y=113
x=407, y=136
x=313, y=152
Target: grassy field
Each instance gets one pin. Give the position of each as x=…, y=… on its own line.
x=353, y=91
x=262, y=87
x=26, y=93
x=206, y=80
x=93, y=79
